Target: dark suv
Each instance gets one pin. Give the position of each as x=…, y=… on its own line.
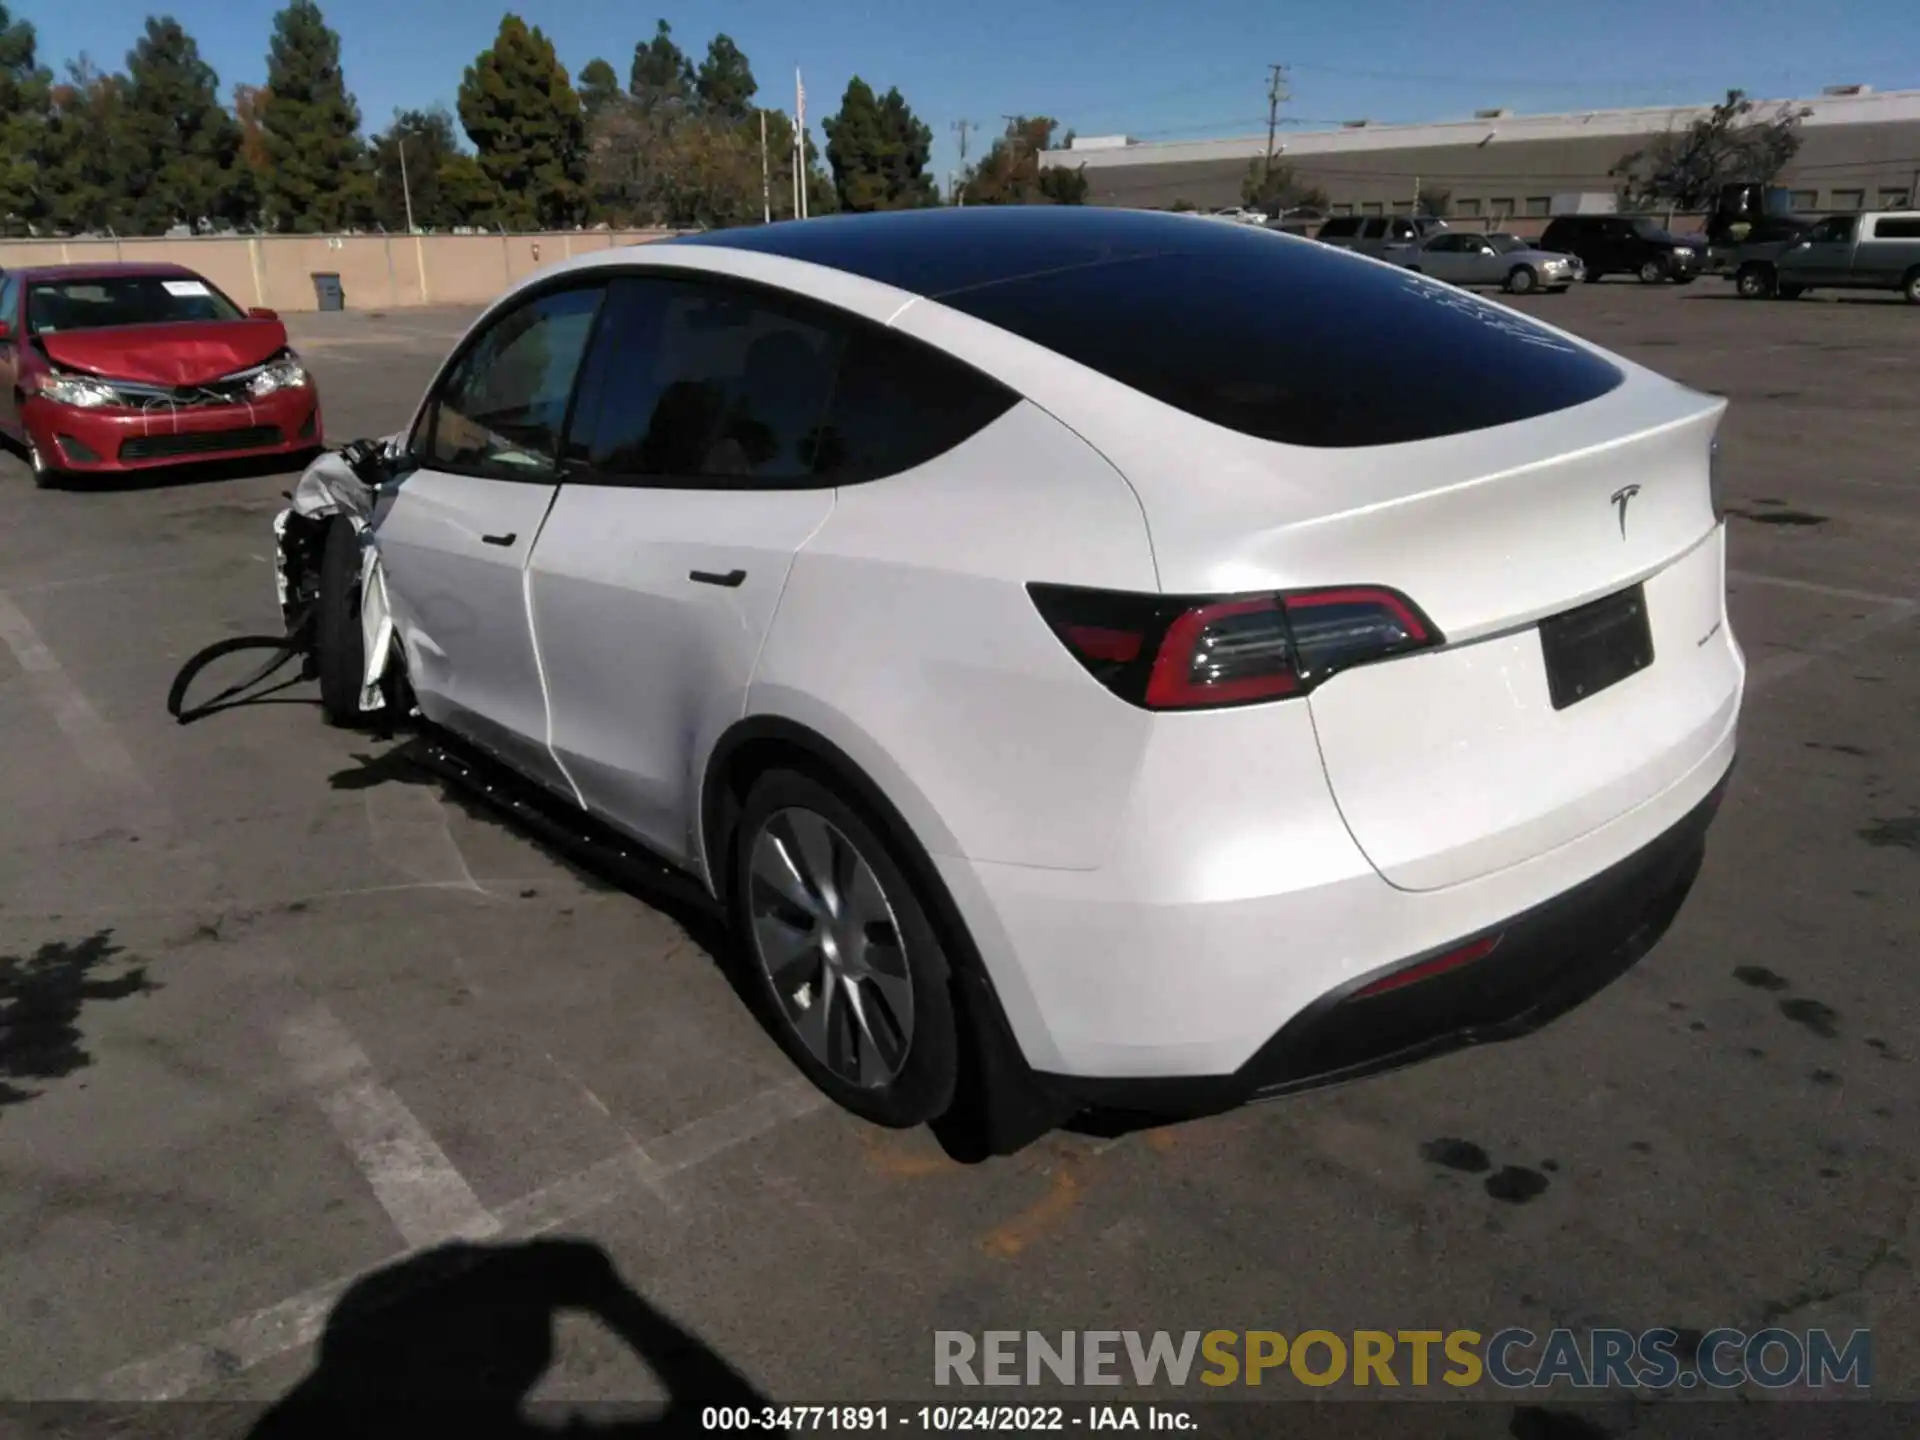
x=1624, y=245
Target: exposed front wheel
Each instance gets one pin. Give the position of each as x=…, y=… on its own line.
x=1754, y=282
x=1653, y=272
x=340, y=650
x=841, y=960
x=1910, y=286
x=1521, y=280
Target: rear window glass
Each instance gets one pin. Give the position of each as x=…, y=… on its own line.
x=98, y=303
x=1297, y=343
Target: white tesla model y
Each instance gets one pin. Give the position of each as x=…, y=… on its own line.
x=1098, y=660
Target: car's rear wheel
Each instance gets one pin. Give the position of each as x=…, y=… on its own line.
x=1653, y=272
x=841, y=962
x=1754, y=282
x=1521, y=279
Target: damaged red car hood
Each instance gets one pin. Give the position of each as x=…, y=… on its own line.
x=190, y=353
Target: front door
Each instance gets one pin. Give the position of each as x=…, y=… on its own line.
x=1825, y=254
x=688, y=491
x=455, y=533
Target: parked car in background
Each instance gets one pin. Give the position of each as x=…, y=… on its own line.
x=111, y=368
x=1385, y=237
x=1461, y=257
x=1875, y=251
x=856, y=565
x=1624, y=245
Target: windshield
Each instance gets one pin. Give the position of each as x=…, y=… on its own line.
x=101, y=301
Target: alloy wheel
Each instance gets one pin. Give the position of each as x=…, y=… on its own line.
x=824, y=933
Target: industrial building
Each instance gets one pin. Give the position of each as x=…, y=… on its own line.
x=1860, y=150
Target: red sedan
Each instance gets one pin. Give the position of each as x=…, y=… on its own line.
x=106, y=369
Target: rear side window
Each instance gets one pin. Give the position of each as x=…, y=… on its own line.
x=1897, y=228
x=898, y=404
x=1301, y=344
x=695, y=381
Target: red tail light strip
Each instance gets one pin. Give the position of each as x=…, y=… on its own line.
x=1440, y=964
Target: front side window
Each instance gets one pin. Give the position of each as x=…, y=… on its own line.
x=501, y=409
x=108, y=301
x=1837, y=229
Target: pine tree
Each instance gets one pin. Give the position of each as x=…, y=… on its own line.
x=183, y=148
x=879, y=151
x=315, y=176
x=725, y=83
x=431, y=152
x=661, y=74
x=25, y=97
x=525, y=121
x=599, y=87
x=86, y=169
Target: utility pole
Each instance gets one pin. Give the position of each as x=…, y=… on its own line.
x=766, y=178
x=1276, y=95
x=958, y=187
x=406, y=189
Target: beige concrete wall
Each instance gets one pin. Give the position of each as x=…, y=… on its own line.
x=377, y=272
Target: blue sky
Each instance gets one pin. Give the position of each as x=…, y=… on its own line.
x=1159, y=69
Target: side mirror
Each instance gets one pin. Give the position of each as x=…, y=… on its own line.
x=261, y=312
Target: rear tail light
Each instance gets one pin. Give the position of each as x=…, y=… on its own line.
x=1427, y=969
x=1186, y=652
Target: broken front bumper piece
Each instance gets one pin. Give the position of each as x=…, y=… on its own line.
x=340, y=484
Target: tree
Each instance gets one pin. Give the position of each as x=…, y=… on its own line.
x=725, y=83
x=526, y=123
x=879, y=151
x=183, y=147
x=1684, y=169
x=315, y=178
x=599, y=87
x=1276, y=189
x=86, y=169
x=1011, y=173
x=434, y=174
x=25, y=96
x=249, y=111
x=661, y=74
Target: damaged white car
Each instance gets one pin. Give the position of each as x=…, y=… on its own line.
x=1077, y=689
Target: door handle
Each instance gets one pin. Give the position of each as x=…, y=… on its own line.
x=506, y=539
x=707, y=577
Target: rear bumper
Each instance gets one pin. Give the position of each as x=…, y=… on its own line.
x=110, y=441
x=1547, y=960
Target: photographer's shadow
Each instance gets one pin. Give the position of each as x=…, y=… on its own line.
x=453, y=1342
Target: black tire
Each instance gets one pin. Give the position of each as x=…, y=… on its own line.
x=45, y=476
x=1591, y=277
x=1653, y=272
x=1684, y=279
x=1910, y=286
x=923, y=1086
x=339, y=648
x=1789, y=292
x=1754, y=282
x=1521, y=280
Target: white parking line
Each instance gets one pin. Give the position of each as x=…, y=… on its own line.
x=93, y=739
x=278, y=1329
x=427, y=1199
x=1813, y=587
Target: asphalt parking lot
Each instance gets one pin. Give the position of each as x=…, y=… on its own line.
x=281, y=1012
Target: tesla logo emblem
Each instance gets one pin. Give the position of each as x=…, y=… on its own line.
x=1621, y=497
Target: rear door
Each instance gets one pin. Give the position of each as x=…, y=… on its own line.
x=455, y=533
x=689, y=487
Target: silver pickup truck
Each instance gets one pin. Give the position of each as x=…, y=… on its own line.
x=1879, y=250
